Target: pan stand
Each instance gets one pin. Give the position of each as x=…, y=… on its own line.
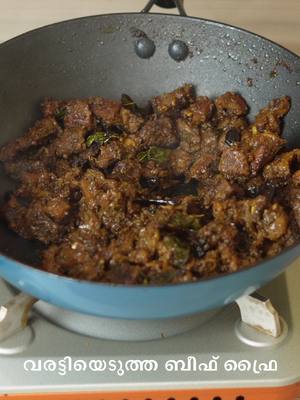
x=259, y=323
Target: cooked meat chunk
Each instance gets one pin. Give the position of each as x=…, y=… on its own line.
x=213, y=233
x=274, y=222
x=14, y=213
x=222, y=242
x=291, y=196
x=79, y=256
x=204, y=167
x=131, y=121
x=259, y=219
x=155, y=170
x=71, y=141
x=227, y=123
x=112, y=200
x=127, y=170
x=206, y=159
x=190, y=137
x=170, y=103
x=231, y=104
x=209, y=140
x=184, y=189
x=108, y=111
x=158, y=132
x=77, y=114
x=281, y=168
x=234, y=163
x=51, y=107
x=109, y=154
x=180, y=161
x=17, y=168
x=218, y=188
x=255, y=186
x=42, y=219
x=270, y=118
x=36, y=136
x=188, y=151
x=261, y=148
x=200, y=111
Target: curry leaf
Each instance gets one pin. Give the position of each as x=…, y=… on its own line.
x=128, y=103
x=185, y=221
x=60, y=114
x=158, y=154
x=99, y=137
x=180, y=250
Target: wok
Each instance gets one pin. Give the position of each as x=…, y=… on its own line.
x=97, y=56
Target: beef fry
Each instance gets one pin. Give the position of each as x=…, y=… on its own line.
x=186, y=189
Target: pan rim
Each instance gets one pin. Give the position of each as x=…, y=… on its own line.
x=160, y=15
x=7, y=259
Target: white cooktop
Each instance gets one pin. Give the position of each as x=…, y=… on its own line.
x=216, y=338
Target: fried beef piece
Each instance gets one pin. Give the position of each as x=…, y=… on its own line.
x=180, y=161
x=51, y=107
x=215, y=233
x=158, y=132
x=40, y=208
x=127, y=170
x=234, y=163
x=206, y=160
x=117, y=204
x=171, y=103
x=199, y=111
x=109, y=154
x=221, y=241
x=70, y=141
x=190, y=137
x=231, y=104
x=261, y=220
x=132, y=122
x=45, y=184
x=80, y=255
x=231, y=131
x=290, y=238
x=204, y=167
x=274, y=222
x=281, y=169
x=106, y=110
x=270, y=118
x=37, y=135
x=190, y=145
x=77, y=114
x=226, y=123
x=113, y=201
x=246, y=152
x=218, y=188
x=42, y=219
x=291, y=195
x=256, y=186
x=152, y=169
x=24, y=164
x=261, y=148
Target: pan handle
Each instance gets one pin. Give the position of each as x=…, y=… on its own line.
x=166, y=4
x=14, y=315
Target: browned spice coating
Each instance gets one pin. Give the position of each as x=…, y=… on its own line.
x=185, y=190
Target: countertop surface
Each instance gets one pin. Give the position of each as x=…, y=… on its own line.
x=276, y=19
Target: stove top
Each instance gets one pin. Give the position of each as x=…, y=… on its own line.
x=47, y=358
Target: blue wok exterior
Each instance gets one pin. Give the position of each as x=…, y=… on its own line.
x=143, y=302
